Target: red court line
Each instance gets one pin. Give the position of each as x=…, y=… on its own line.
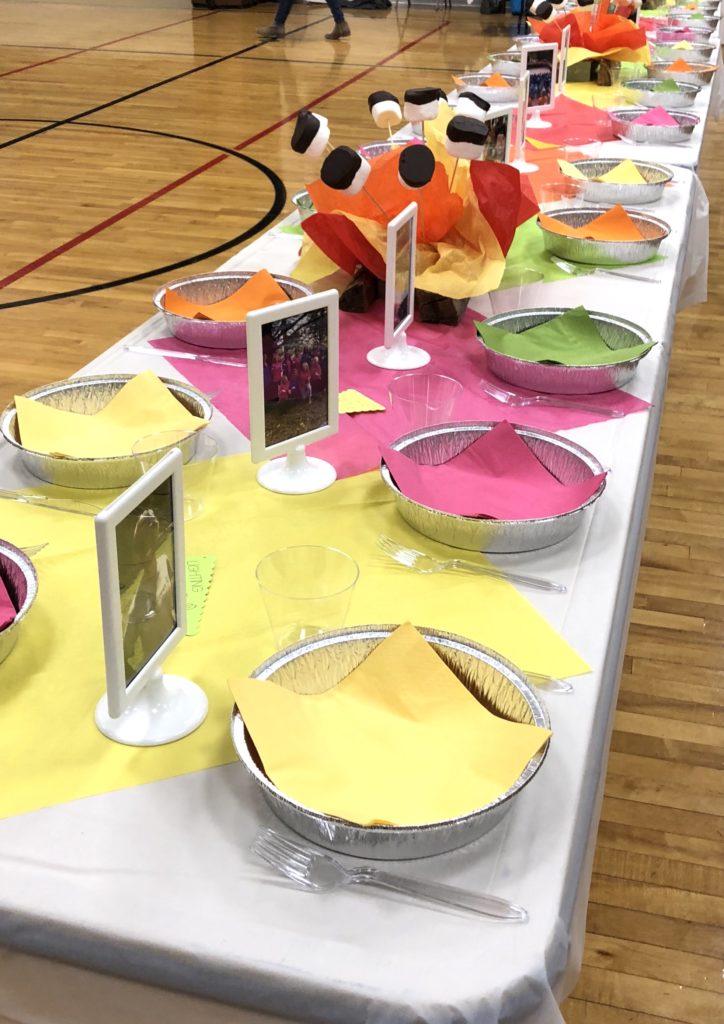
x=121, y=214
x=88, y=49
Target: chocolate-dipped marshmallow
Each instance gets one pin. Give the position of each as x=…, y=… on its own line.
x=345, y=171
x=311, y=134
x=470, y=104
x=385, y=109
x=422, y=104
x=465, y=137
x=416, y=166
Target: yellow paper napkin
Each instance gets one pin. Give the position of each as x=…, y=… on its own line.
x=143, y=406
x=354, y=401
x=399, y=741
x=571, y=171
x=625, y=173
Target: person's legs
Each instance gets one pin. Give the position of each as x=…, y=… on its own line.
x=276, y=31
x=341, y=28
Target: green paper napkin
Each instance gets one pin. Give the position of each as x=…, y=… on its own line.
x=571, y=339
x=668, y=86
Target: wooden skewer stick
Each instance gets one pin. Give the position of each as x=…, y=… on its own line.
x=455, y=171
x=379, y=207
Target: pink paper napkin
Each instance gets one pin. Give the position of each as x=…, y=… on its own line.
x=356, y=449
x=657, y=116
x=7, y=608
x=497, y=477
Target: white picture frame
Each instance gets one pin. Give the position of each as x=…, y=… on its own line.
x=401, y=247
x=400, y=253
x=143, y=707
x=537, y=58
x=500, y=121
x=563, y=58
x=277, y=333
x=520, y=163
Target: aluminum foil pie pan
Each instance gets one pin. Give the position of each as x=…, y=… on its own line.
x=319, y=663
x=89, y=395
x=554, y=378
x=656, y=178
x=565, y=459
x=603, y=253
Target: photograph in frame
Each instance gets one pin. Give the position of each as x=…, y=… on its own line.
x=293, y=357
x=541, y=64
x=498, y=143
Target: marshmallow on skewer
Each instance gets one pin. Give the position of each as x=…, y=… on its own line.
x=416, y=166
x=345, y=171
x=470, y=104
x=465, y=137
x=422, y=104
x=385, y=109
x=311, y=134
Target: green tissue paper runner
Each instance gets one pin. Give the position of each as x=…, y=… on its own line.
x=571, y=339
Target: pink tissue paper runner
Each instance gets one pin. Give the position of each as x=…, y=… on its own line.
x=656, y=116
x=497, y=476
x=356, y=448
x=7, y=608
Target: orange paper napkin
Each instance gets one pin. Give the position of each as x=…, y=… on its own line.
x=680, y=65
x=496, y=81
x=259, y=291
x=614, y=225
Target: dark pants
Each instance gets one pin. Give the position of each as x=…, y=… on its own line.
x=285, y=7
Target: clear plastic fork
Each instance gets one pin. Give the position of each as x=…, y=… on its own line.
x=571, y=268
x=320, y=872
x=512, y=398
x=420, y=561
x=72, y=505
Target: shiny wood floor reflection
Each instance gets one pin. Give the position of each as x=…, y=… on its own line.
x=83, y=205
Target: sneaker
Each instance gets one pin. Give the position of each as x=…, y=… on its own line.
x=273, y=32
x=340, y=31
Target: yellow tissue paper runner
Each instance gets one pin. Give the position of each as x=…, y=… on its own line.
x=55, y=674
x=400, y=741
x=143, y=406
x=352, y=401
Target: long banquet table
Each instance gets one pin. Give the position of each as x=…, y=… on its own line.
x=147, y=902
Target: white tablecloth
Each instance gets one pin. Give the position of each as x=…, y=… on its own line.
x=156, y=884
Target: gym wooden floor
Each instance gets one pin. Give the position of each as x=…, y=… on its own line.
x=107, y=112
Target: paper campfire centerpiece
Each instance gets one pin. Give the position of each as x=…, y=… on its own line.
x=613, y=37
x=468, y=214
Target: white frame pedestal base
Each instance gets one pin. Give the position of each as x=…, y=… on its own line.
x=166, y=709
x=296, y=473
x=399, y=356
x=524, y=167
x=535, y=121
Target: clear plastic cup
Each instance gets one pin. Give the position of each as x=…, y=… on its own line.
x=306, y=590
x=526, y=292
x=198, y=471
x=423, y=399
x=563, y=192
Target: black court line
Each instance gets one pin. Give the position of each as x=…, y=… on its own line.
x=280, y=196
x=149, y=88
